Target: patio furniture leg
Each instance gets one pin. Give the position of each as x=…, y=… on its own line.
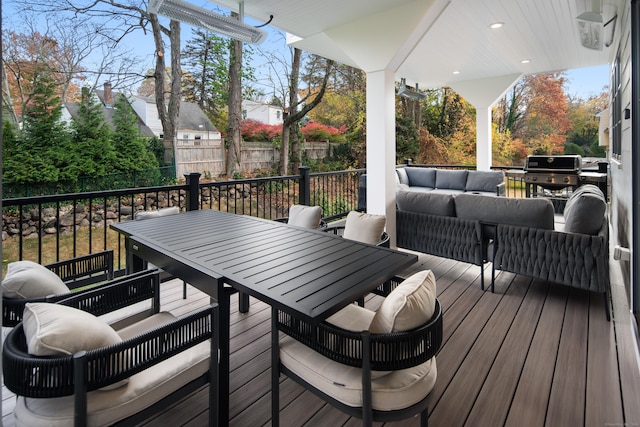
x=243, y=302
x=275, y=370
x=224, y=294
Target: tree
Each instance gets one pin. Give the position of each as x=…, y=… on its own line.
x=292, y=117
x=42, y=152
x=91, y=138
x=234, y=129
x=585, y=123
x=131, y=151
x=116, y=20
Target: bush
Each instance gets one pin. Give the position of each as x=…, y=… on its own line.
x=253, y=130
x=313, y=131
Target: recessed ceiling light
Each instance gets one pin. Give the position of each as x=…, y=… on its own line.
x=456, y=72
x=525, y=61
x=496, y=25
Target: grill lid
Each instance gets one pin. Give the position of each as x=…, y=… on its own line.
x=566, y=164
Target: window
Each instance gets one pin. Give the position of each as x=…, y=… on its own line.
x=278, y=114
x=244, y=114
x=197, y=140
x=616, y=109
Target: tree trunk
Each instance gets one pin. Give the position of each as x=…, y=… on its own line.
x=234, y=137
x=168, y=117
x=293, y=116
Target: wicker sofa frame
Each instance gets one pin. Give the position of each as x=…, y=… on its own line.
x=577, y=260
x=49, y=377
x=371, y=352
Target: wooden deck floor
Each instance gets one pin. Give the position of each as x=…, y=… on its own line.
x=529, y=354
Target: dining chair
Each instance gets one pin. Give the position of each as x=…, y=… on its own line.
x=305, y=217
x=68, y=366
x=378, y=366
x=27, y=281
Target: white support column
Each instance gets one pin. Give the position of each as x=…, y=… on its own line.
x=381, y=148
x=483, y=139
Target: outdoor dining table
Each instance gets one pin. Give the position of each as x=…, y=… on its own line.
x=307, y=273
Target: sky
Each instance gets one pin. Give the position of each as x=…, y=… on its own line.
x=582, y=83
x=586, y=82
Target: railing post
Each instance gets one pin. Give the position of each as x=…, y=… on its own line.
x=407, y=161
x=193, y=191
x=305, y=185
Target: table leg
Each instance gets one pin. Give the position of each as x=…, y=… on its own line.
x=134, y=262
x=224, y=294
x=275, y=370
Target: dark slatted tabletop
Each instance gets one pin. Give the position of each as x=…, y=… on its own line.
x=307, y=272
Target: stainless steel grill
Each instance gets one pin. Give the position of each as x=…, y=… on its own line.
x=553, y=172
x=560, y=172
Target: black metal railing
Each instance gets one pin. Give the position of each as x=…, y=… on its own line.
x=48, y=229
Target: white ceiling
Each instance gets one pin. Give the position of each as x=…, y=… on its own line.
x=425, y=41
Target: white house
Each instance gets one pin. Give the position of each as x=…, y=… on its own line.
x=265, y=113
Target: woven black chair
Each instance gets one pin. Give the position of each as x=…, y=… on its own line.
x=106, y=386
x=75, y=273
x=85, y=270
x=367, y=351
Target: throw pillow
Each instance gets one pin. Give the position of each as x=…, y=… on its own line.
x=485, y=181
x=585, y=215
x=421, y=177
x=305, y=216
x=451, y=179
x=363, y=227
x=28, y=279
x=408, y=306
x=55, y=330
x=402, y=177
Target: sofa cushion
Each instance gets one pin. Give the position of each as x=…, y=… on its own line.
x=408, y=306
x=55, y=330
x=28, y=279
x=421, y=177
x=485, y=181
x=585, y=214
x=454, y=179
x=583, y=189
x=305, y=216
x=535, y=212
x=363, y=227
x=427, y=203
x=401, y=175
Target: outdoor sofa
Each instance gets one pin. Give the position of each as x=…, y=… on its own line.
x=442, y=181
x=519, y=235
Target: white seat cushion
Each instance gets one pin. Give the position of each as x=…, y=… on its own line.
x=28, y=279
x=305, y=216
x=363, y=227
x=395, y=390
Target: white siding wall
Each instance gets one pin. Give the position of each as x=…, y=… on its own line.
x=621, y=172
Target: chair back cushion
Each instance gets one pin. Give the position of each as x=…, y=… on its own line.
x=408, y=306
x=426, y=203
x=55, y=330
x=419, y=177
x=28, y=279
x=485, y=181
x=160, y=212
x=363, y=227
x=305, y=216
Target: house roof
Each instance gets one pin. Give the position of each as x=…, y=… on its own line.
x=426, y=41
x=191, y=115
x=108, y=115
